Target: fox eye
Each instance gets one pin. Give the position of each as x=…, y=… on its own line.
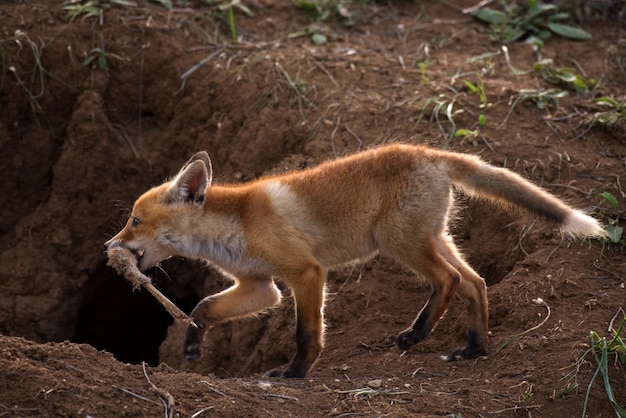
x=135, y=221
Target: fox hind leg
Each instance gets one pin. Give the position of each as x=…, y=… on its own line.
x=444, y=279
x=473, y=291
x=308, y=291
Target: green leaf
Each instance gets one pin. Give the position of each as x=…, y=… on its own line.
x=539, y=65
x=493, y=16
x=102, y=62
x=611, y=199
x=466, y=133
x=125, y=3
x=558, y=94
x=569, y=32
x=606, y=101
x=512, y=34
x=544, y=34
x=165, y=3
x=470, y=86
x=566, y=75
x=88, y=60
x=603, y=366
x=319, y=39
x=307, y=6
x=559, y=16
x=615, y=233
x=536, y=42
x=538, y=9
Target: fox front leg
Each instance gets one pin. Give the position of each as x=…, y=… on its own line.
x=248, y=296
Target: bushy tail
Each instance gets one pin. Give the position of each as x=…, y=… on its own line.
x=506, y=187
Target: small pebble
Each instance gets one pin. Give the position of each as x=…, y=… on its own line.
x=375, y=384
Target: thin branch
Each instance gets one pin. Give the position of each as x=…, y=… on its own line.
x=166, y=397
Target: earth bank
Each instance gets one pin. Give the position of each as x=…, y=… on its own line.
x=82, y=142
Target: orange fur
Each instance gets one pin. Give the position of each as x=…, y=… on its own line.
x=394, y=200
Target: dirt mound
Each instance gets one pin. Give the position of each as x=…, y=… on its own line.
x=97, y=109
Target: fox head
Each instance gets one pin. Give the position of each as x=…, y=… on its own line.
x=152, y=230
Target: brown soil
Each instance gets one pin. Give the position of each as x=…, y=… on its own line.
x=80, y=143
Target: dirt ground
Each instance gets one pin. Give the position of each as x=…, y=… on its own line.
x=96, y=109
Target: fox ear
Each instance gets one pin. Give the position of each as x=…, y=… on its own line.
x=190, y=185
x=204, y=157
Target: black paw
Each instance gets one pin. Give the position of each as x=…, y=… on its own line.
x=467, y=353
x=407, y=339
x=277, y=372
x=294, y=372
x=192, y=352
x=192, y=349
x=289, y=373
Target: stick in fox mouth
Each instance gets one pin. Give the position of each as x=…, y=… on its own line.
x=125, y=263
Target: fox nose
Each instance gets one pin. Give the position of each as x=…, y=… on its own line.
x=112, y=243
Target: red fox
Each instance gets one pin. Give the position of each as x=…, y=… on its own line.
x=393, y=200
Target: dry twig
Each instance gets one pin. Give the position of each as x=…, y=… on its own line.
x=125, y=263
x=166, y=397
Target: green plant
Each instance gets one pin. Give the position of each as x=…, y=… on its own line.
x=31, y=80
x=472, y=134
x=526, y=394
x=531, y=20
x=229, y=7
x=165, y=3
x=423, y=66
x=478, y=90
x=94, y=8
x=97, y=56
x=320, y=10
x=614, y=231
x=469, y=134
x=318, y=32
x=601, y=349
x=543, y=98
x=566, y=77
x=298, y=91
x=91, y=8
x=566, y=390
x=442, y=114
x=614, y=116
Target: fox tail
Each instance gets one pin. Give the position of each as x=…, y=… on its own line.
x=477, y=178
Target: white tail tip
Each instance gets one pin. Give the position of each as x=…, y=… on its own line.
x=580, y=225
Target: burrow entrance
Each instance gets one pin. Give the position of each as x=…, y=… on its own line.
x=129, y=324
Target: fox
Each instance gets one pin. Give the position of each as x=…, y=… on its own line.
x=394, y=200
